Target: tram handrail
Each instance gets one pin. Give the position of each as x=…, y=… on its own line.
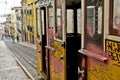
x=50, y=48
x=93, y=55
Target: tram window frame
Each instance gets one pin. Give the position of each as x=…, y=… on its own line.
x=50, y=26
x=100, y=43
x=70, y=21
x=58, y=16
x=112, y=30
x=50, y=20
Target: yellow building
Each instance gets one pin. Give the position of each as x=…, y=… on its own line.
x=16, y=23
x=29, y=12
x=2, y=28
x=13, y=23
x=24, y=20
x=8, y=25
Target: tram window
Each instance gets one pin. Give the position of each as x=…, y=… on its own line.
x=58, y=28
x=79, y=19
x=50, y=18
x=38, y=23
x=94, y=18
x=115, y=17
x=43, y=22
x=51, y=29
x=70, y=23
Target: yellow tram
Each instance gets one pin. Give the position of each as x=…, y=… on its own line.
x=78, y=39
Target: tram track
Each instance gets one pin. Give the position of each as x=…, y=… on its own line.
x=26, y=56
x=27, y=60
x=32, y=62
x=23, y=56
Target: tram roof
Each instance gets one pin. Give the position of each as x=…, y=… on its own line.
x=73, y=4
x=70, y=4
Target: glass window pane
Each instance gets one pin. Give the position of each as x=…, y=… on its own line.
x=50, y=13
x=94, y=25
x=79, y=21
x=70, y=23
x=58, y=28
x=43, y=25
x=50, y=27
x=116, y=15
x=38, y=23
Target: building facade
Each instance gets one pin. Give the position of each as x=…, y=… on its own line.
x=29, y=20
x=16, y=23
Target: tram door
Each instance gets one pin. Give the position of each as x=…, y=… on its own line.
x=44, y=40
x=55, y=42
x=38, y=43
x=41, y=42
x=93, y=39
x=50, y=40
x=73, y=39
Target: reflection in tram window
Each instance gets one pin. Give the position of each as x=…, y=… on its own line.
x=94, y=19
x=99, y=20
x=115, y=17
x=58, y=29
x=116, y=14
x=94, y=25
x=50, y=28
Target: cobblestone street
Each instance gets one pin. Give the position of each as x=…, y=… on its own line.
x=25, y=55
x=9, y=68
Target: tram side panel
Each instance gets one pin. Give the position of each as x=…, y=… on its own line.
x=94, y=42
x=97, y=69
x=39, y=57
x=38, y=42
x=57, y=62
x=108, y=70
x=56, y=58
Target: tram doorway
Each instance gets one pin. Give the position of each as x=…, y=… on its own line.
x=44, y=39
x=73, y=40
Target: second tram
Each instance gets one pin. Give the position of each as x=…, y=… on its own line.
x=78, y=39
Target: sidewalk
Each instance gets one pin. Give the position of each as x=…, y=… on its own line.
x=27, y=44
x=9, y=68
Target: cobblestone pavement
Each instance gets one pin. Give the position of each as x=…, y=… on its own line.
x=27, y=44
x=9, y=69
x=26, y=55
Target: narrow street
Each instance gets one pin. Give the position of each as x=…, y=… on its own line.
x=26, y=55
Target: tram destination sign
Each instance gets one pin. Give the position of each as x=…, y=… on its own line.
x=44, y=3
